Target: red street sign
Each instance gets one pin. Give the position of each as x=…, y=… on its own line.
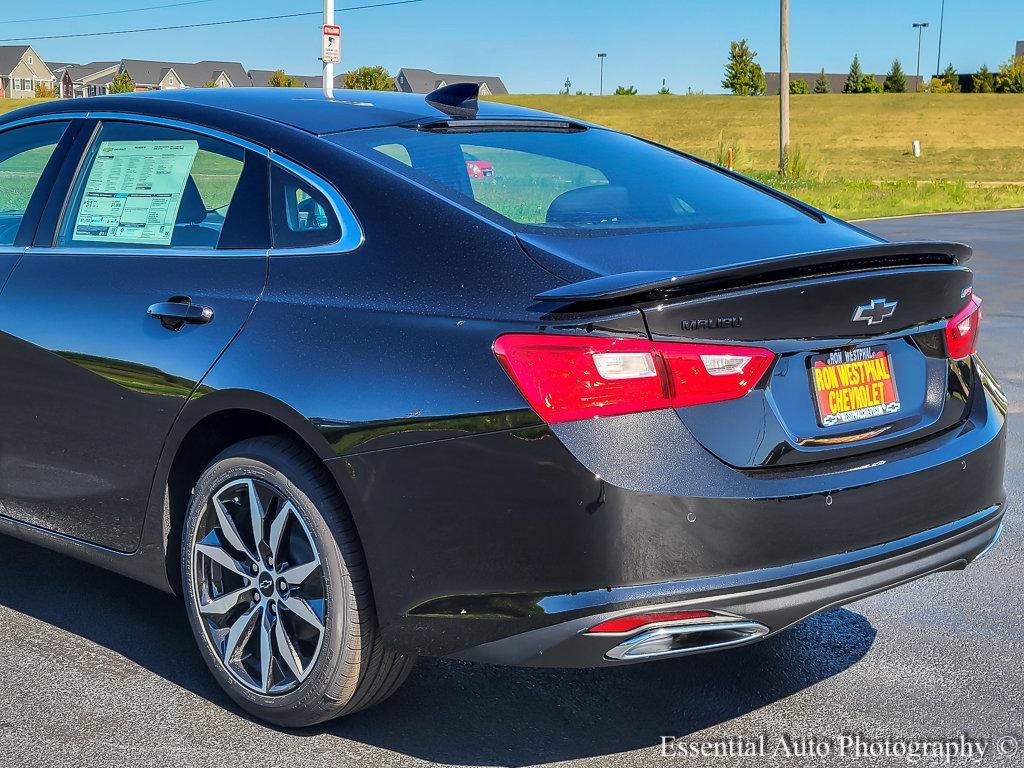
x=331, y=44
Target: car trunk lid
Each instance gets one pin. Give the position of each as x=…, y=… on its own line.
x=872, y=315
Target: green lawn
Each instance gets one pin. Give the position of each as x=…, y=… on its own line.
x=857, y=146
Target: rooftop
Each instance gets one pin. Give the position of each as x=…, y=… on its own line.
x=304, y=108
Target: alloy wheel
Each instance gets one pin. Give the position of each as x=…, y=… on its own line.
x=259, y=586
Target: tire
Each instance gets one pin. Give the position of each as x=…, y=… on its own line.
x=315, y=674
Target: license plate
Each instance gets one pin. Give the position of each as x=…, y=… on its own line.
x=853, y=384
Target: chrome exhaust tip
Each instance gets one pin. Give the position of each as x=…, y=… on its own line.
x=683, y=638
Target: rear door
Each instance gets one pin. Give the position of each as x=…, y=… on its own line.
x=149, y=257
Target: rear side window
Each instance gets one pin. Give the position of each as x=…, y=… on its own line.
x=586, y=180
x=24, y=154
x=150, y=186
x=301, y=215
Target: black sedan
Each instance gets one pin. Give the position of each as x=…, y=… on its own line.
x=289, y=357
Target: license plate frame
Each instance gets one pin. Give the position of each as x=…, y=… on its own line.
x=852, y=384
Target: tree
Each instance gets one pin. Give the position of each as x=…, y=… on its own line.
x=369, y=79
x=939, y=85
x=855, y=78
x=821, y=84
x=625, y=90
x=982, y=81
x=798, y=86
x=209, y=84
x=870, y=84
x=44, y=91
x=757, y=83
x=278, y=79
x=743, y=75
x=122, y=83
x=895, y=80
x=1010, y=78
x=664, y=91
x=952, y=79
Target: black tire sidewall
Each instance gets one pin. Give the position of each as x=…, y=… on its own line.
x=294, y=481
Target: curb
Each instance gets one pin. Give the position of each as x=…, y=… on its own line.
x=935, y=213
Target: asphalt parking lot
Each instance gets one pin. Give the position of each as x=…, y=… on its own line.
x=98, y=670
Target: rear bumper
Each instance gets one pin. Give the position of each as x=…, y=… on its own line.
x=504, y=545
x=774, y=598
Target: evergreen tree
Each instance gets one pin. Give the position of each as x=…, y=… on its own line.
x=821, y=84
x=855, y=79
x=743, y=76
x=952, y=79
x=983, y=81
x=895, y=80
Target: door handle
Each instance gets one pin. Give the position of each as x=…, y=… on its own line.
x=178, y=311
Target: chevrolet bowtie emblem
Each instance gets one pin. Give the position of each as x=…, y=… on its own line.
x=874, y=311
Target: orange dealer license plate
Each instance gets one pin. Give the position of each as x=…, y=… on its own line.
x=853, y=384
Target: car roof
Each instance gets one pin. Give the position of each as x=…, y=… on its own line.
x=303, y=108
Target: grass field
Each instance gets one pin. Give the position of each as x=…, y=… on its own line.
x=857, y=147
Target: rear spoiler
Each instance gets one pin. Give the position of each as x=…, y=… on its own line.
x=633, y=284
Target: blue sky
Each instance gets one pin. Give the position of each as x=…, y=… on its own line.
x=534, y=45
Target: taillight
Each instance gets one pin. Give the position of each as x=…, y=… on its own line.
x=962, y=331
x=637, y=620
x=565, y=378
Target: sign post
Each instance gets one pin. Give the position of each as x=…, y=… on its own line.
x=331, y=48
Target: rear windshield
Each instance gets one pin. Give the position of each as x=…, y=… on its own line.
x=592, y=179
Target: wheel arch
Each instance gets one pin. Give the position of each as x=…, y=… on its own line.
x=205, y=427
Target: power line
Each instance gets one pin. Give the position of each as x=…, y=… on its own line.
x=201, y=24
x=108, y=13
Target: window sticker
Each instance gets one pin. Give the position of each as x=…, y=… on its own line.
x=134, y=191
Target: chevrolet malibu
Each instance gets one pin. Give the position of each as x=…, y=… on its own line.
x=282, y=355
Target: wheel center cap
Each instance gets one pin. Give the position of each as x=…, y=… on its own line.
x=266, y=584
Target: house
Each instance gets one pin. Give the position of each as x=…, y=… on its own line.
x=1019, y=50
x=21, y=70
x=835, y=81
x=425, y=81
x=168, y=75
x=77, y=80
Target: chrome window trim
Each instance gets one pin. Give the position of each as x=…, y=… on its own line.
x=134, y=117
x=177, y=253
x=351, y=232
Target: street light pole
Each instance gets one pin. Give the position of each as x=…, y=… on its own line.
x=783, y=87
x=938, y=59
x=328, y=76
x=601, y=57
x=920, y=26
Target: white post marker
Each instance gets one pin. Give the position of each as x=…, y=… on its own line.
x=331, y=51
x=915, y=148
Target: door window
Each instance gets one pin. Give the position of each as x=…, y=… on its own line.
x=148, y=186
x=24, y=154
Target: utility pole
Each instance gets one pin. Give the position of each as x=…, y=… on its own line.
x=328, y=83
x=783, y=87
x=601, y=57
x=920, y=26
x=938, y=59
